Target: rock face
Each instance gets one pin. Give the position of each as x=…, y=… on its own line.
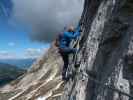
x=105, y=58
x=106, y=52
x=43, y=81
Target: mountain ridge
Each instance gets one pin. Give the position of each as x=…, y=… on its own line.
x=106, y=53
x=9, y=73
x=20, y=63
x=43, y=78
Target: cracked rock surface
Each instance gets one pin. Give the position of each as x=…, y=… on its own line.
x=106, y=55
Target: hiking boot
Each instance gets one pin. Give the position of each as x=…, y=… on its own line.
x=65, y=79
x=92, y=73
x=77, y=65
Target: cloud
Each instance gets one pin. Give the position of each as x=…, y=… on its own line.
x=33, y=53
x=47, y=17
x=29, y=53
x=7, y=55
x=11, y=44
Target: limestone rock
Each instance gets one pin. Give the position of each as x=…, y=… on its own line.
x=105, y=56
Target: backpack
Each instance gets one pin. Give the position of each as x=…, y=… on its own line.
x=58, y=38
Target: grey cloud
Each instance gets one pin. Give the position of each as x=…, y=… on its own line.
x=34, y=53
x=47, y=17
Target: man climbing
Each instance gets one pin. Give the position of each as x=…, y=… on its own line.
x=65, y=39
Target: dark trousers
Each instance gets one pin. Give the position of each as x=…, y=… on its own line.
x=65, y=56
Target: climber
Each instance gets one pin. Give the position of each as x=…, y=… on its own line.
x=63, y=41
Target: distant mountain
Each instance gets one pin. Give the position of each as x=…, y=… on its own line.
x=9, y=73
x=42, y=79
x=21, y=63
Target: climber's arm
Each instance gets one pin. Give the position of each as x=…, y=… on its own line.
x=75, y=34
x=72, y=35
x=78, y=29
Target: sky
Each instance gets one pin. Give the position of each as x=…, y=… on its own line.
x=29, y=26
x=16, y=44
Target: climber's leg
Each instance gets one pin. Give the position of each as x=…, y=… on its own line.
x=65, y=59
x=69, y=50
x=73, y=51
x=65, y=55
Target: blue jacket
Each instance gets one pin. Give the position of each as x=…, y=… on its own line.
x=67, y=37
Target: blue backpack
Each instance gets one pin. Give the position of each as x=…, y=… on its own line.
x=58, y=38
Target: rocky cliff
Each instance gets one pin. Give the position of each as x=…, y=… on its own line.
x=43, y=81
x=106, y=60
x=106, y=51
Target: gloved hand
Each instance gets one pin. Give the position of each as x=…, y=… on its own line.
x=80, y=30
x=80, y=23
x=77, y=50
